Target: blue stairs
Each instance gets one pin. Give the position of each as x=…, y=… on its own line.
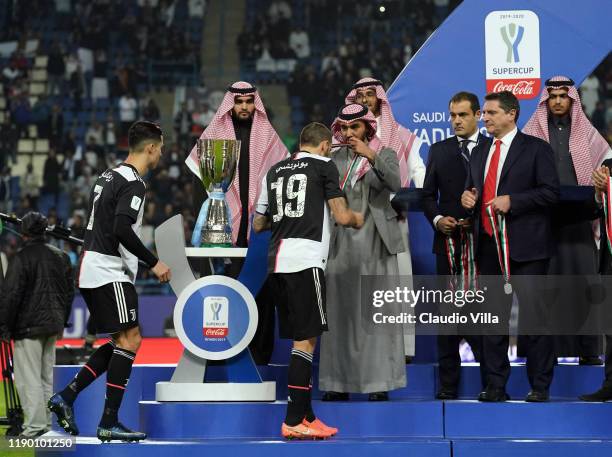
x=411, y=424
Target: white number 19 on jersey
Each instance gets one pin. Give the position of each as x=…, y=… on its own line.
x=298, y=195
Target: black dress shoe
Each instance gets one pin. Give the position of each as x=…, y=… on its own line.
x=589, y=361
x=408, y=359
x=537, y=396
x=493, y=395
x=603, y=394
x=335, y=396
x=446, y=395
x=378, y=396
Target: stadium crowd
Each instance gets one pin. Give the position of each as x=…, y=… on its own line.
x=91, y=98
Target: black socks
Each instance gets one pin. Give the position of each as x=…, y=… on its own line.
x=299, y=401
x=95, y=366
x=117, y=378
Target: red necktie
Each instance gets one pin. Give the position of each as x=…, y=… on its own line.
x=490, y=186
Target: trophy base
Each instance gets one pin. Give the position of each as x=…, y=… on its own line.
x=217, y=230
x=216, y=245
x=216, y=238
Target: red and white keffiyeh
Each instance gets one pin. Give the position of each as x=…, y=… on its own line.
x=348, y=114
x=265, y=148
x=587, y=147
x=392, y=134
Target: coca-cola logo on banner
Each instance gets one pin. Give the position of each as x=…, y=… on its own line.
x=512, y=47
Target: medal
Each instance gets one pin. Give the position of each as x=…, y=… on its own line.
x=500, y=233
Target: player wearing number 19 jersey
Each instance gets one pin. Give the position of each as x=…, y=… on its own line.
x=107, y=270
x=296, y=198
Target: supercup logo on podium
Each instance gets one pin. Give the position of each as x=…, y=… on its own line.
x=216, y=317
x=217, y=163
x=512, y=44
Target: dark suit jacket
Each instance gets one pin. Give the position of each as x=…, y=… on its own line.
x=529, y=177
x=444, y=183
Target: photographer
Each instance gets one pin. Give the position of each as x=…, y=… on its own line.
x=35, y=304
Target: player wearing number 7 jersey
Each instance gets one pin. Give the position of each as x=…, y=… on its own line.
x=107, y=271
x=295, y=200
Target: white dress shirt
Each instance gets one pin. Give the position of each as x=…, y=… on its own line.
x=506, y=141
x=473, y=141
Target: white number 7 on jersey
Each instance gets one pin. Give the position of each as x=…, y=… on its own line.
x=97, y=193
x=299, y=194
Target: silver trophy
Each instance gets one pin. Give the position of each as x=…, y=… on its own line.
x=217, y=160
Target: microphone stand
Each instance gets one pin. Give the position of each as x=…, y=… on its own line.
x=56, y=231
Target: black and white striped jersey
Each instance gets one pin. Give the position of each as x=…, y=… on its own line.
x=104, y=259
x=294, y=194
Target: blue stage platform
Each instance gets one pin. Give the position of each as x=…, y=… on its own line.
x=411, y=424
x=517, y=419
x=569, y=381
x=531, y=448
x=396, y=419
x=382, y=447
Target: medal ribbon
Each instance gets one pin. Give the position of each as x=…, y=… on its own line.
x=606, y=198
x=468, y=260
x=500, y=233
x=451, y=249
x=349, y=171
x=466, y=270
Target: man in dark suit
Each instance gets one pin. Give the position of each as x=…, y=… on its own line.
x=601, y=176
x=445, y=180
x=518, y=179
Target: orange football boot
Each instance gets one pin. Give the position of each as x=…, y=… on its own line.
x=320, y=425
x=303, y=432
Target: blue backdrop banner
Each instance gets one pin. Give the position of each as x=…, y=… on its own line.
x=486, y=46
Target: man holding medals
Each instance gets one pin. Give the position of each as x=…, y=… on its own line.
x=579, y=149
x=370, y=92
x=511, y=188
x=353, y=359
x=445, y=177
x=601, y=181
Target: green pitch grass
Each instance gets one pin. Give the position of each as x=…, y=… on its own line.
x=4, y=450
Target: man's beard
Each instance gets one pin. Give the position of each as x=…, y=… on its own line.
x=243, y=119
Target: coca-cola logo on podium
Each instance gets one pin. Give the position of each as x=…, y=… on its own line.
x=512, y=47
x=216, y=317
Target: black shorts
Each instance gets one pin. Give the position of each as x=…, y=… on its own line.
x=113, y=307
x=300, y=300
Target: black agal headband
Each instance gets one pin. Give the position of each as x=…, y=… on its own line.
x=376, y=82
x=563, y=83
x=352, y=116
x=246, y=90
